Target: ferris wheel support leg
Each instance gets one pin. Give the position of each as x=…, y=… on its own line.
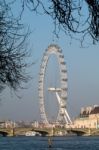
x=68, y=116
x=66, y=119
x=53, y=49
x=59, y=100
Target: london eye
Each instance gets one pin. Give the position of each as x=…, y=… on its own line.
x=60, y=92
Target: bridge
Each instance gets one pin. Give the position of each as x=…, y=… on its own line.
x=22, y=131
x=83, y=131
x=3, y=133
x=79, y=131
x=49, y=131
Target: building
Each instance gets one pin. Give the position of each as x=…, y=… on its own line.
x=88, y=118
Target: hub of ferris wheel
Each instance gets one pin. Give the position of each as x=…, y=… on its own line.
x=61, y=92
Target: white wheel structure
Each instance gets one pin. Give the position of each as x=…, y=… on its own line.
x=61, y=93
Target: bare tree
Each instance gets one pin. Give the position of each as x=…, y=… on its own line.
x=12, y=49
x=80, y=17
x=94, y=14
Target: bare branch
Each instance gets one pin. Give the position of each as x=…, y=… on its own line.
x=12, y=49
x=80, y=17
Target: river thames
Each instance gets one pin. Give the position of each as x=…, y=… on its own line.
x=41, y=143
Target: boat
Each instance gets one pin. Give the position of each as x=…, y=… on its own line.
x=30, y=133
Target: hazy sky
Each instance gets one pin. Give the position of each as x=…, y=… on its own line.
x=82, y=67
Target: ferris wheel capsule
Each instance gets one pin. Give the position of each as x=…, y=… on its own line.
x=61, y=92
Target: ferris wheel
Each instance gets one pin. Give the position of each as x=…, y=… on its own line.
x=61, y=92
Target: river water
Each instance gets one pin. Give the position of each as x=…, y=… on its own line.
x=41, y=143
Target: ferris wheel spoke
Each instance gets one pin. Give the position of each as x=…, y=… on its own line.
x=61, y=92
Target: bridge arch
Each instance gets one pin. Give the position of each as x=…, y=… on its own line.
x=2, y=133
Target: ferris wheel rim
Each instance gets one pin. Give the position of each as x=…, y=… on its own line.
x=53, y=48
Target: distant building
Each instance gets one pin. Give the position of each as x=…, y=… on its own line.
x=2, y=124
x=35, y=124
x=9, y=124
x=88, y=118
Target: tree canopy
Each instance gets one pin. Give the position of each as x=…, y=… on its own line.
x=12, y=49
x=80, y=17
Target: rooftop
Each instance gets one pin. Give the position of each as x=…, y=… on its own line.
x=85, y=112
